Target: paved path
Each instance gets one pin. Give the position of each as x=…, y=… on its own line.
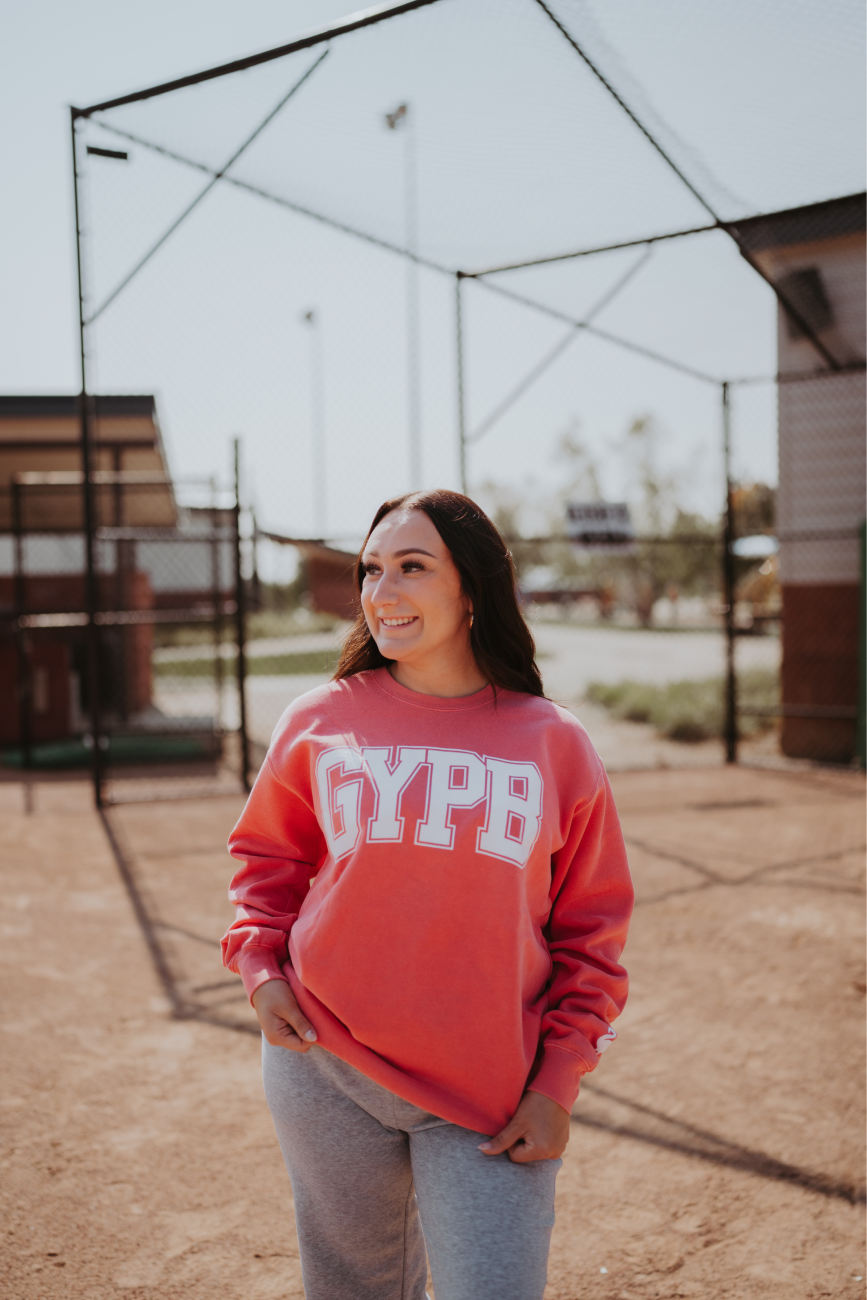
x=570, y=658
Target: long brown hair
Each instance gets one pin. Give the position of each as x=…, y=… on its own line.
x=501, y=642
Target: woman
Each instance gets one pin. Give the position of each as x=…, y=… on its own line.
x=432, y=906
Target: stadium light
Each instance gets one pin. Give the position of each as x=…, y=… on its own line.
x=401, y=118
x=310, y=318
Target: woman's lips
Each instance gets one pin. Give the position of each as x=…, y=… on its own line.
x=403, y=621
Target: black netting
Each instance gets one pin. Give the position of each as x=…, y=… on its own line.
x=518, y=152
x=378, y=304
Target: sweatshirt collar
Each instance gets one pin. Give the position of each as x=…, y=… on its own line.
x=436, y=703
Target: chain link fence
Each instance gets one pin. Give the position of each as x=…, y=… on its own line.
x=369, y=256
x=127, y=667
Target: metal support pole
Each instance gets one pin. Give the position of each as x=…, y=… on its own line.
x=85, y=443
x=21, y=639
x=217, y=603
x=861, y=729
x=459, y=341
x=731, y=701
x=255, y=580
x=124, y=567
x=240, y=628
x=317, y=425
x=413, y=330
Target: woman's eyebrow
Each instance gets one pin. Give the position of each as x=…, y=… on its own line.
x=409, y=550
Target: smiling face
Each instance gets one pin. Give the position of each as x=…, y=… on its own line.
x=411, y=595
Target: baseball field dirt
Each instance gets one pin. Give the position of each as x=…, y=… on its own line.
x=716, y=1152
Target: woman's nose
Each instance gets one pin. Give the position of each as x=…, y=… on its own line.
x=384, y=593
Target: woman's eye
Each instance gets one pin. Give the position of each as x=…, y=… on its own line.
x=373, y=570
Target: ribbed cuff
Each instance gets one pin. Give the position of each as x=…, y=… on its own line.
x=258, y=965
x=559, y=1076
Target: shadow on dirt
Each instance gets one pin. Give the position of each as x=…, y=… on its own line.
x=223, y=1003
x=601, y=1109
x=212, y=1003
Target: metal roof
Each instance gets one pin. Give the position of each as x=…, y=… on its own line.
x=21, y=407
x=830, y=219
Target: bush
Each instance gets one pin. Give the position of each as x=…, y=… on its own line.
x=688, y=711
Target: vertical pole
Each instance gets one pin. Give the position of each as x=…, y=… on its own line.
x=240, y=628
x=317, y=425
x=91, y=591
x=413, y=329
x=860, y=736
x=21, y=640
x=459, y=341
x=217, y=603
x=255, y=581
x=124, y=565
x=117, y=521
x=731, y=702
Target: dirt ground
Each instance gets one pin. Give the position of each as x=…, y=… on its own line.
x=717, y=1151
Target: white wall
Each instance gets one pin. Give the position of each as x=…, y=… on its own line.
x=821, y=422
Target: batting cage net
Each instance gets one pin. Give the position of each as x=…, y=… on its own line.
x=485, y=244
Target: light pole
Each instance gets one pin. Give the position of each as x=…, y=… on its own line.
x=402, y=119
x=317, y=422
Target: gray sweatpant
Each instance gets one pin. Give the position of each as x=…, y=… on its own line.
x=369, y=1171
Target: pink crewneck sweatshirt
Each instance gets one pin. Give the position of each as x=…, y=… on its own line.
x=443, y=884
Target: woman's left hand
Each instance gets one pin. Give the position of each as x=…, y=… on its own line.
x=538, y=1130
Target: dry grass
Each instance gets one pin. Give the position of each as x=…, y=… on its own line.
x=689, y=711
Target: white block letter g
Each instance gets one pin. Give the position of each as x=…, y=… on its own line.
x=339, y=806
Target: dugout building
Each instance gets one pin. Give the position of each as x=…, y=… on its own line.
x=817, y=256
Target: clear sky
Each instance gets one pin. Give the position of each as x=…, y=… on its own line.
x=519, y=152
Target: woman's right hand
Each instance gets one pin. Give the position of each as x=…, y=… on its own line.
x=282, y=1021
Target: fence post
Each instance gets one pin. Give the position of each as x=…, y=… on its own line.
x=240, y=628
x=861, y=737
x=21, y=643
x=731, y=701
x=91, y=591
x=217, y=603
x=459, y=343
x=255, y=581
